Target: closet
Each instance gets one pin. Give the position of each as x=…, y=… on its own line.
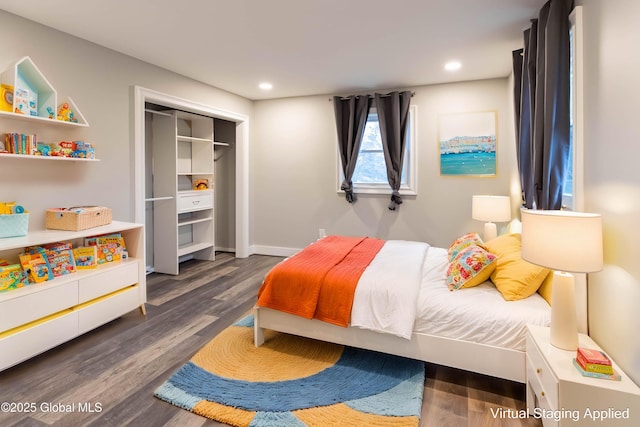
x=182, y=154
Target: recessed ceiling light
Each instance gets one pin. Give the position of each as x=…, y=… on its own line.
x=452, y=66
x=265, y=86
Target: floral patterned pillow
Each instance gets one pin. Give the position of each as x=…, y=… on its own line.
x=462, y=242
x=471, y=266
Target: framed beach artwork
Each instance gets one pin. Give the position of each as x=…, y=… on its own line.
x=467, y=144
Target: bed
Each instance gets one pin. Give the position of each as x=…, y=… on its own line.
x=472, y=328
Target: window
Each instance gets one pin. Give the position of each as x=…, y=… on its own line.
x=370, y=175
x=572, y=190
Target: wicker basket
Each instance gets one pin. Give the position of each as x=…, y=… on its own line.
x=14, y=225
x=77, y=218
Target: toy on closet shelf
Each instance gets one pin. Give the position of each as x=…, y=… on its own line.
x=201, y=184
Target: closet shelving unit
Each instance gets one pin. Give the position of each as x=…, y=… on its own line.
x=183, y=217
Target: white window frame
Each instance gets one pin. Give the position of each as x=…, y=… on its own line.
x=408, y=189
x=575, y=201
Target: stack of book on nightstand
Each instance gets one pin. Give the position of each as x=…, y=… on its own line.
x=594, y=363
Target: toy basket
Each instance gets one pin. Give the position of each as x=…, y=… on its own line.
x=14, y=225
x=77, y=218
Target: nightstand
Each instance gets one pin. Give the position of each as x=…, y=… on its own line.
x=560, y=396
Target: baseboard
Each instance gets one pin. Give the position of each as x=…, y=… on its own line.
x=220, y=249
x=272, y=250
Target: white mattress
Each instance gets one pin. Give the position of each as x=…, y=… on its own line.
x=477, y=314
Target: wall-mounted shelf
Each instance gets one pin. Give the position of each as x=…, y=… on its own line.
x=16, y=116
x=54, y=158
x=34, y=98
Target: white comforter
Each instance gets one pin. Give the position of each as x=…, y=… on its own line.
x=404, y=290
x=478, y=314
x=387, y=293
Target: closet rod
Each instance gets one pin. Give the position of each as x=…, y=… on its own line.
x=160, y=113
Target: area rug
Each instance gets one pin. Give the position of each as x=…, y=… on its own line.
x=295, y=381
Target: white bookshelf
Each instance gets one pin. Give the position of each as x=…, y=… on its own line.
x=183, y=218
x=40, y=316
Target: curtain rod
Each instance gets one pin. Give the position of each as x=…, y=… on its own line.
x=370, y=96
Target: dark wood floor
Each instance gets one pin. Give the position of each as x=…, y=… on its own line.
x=114, y=369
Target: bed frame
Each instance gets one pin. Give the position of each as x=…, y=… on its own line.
x=484, y=359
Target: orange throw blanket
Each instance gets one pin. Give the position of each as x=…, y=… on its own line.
x=320, y=281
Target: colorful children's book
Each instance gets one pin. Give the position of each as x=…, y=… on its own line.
x=61, y=262
x=615, y=376
x=590, y=355
x=86, y=257
x=603, y=364
x=12, y=276
x=36, y=266
x=60, y=258
x=110, y=247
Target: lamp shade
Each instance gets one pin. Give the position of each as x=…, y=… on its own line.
x=562, y=240
x=491, y=208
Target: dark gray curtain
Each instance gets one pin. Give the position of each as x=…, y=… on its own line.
x=543, y=135
x=393, y=117
x=351, y=116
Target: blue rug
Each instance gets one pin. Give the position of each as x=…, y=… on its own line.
x=295, y=381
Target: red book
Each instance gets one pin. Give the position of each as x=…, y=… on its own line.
x=593, y=356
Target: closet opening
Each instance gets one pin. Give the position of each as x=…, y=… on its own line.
x=191, y=184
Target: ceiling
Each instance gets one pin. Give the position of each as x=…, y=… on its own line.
x=303, y=47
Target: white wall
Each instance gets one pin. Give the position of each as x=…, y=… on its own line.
x=100, y=81
x=294, y=162
x=612, y=177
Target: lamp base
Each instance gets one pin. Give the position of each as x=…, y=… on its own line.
x=564, y=323
x=490, y=231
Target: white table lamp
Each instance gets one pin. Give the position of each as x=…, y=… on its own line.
x=491, y=209
x=567, y=242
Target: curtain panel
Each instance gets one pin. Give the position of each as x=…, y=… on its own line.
x=393, y=117
x=542, y=110
x=351, y=117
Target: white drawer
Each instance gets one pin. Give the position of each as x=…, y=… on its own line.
x=117, y=277
x=23, y=344
x=104, y=310
x=195, y=201
x=538, y=372
x=541, y=399
x=47, y=300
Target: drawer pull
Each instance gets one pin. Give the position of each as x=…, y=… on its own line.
x=538, y=370
x=195, y=202
x=542, y=393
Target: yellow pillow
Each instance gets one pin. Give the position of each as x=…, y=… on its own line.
x=462, y=242
x=545, y=288
x=472, y=266
x=514, y=277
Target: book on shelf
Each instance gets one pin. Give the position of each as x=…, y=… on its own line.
x=19, y=143
x=86, y=257
x=36, y=265
x=614, y=377
x=110, y=247
x=12, y=276
x=60, y=257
